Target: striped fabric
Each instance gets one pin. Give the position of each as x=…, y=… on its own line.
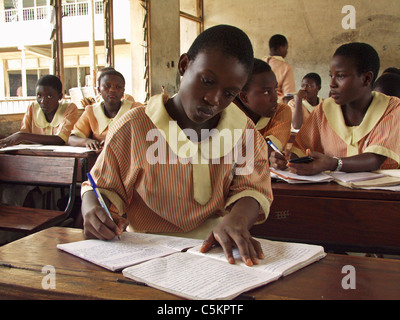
x=94, y=124
x=277, y=128
x=307, y=108
x=34, y=120
x=159, y=197
x=325, y=131
x=284, y=75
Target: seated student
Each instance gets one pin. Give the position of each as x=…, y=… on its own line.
x=87, y=102
x=258, y=100
x=391, y=70
x=91, y=128
x=306, y=99
x=356, y=129
x=47, y=121
x=389, y=84
x=278, y=50
x=180, y=184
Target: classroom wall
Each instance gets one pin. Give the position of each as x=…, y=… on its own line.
x=313, y=28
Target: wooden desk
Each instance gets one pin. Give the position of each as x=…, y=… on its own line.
x=86, y=159
x=78, y=279
x=335, y=217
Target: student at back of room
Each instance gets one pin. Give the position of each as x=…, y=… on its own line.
x=92, y=127
x=278, y=47
x=306, y=99
x=49, y=120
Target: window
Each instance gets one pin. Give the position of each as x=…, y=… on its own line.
x=191, y=13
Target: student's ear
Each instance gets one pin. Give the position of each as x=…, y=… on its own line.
x=243, y=98
x=368, y=78
x=183, y=64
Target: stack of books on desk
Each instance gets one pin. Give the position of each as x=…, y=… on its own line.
x=162, y=262
x=382, y=179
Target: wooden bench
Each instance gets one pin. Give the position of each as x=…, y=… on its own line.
x=37, y=171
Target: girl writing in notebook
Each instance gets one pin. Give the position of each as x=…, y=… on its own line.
x=159, y=164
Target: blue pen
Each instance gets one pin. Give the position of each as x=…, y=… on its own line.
x=99, y=197
x=271, y=144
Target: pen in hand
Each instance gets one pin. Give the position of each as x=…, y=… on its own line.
x=99, y=197
x=271, y=144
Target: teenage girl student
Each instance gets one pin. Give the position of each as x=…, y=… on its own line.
x=306, y=99
x=193, y=190
x=91, y=128
x=356, y=129
x=258, y=100
x=278, y=50
x=86, y=101
x=47, y=121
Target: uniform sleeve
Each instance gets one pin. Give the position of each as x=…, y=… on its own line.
x=68, y=122
x=114, y=173
x=251, y=174
x=384, y=139
x=26, y=124
x=279, y=129
x=309, y=135
x=82, y=127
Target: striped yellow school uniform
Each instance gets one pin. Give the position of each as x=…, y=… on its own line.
x=34, y=120
x=277, y=128
x=94, y=124
x=144, y=170
x=284, y=75
x=306, y=108
x=325, y=131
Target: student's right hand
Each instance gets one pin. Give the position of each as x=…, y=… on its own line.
x=96, y=222
x=301, y=94
x=87, y=102
x=94, y=144
x=277, y=161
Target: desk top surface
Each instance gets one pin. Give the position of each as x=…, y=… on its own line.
x=22, y=262
x=331, y=189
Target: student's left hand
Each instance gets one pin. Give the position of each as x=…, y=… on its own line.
x=320, y=163
x=10, y=140
x=233, y=231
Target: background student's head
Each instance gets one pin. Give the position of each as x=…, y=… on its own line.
x=214, y=70
x=49, y=93
x=111, y=86
x=353, y=70
x=259, y=95
x=389, y=84
x=311, y=83
x=278, y=45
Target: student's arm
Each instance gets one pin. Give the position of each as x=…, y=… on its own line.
x=19, y=137
x=358, y=163
x=234, y=231
x=297, y=119
x=97, y=223
x=92, y=144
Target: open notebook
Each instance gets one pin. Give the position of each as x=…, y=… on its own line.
x=289, y=177
x=160, y=262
